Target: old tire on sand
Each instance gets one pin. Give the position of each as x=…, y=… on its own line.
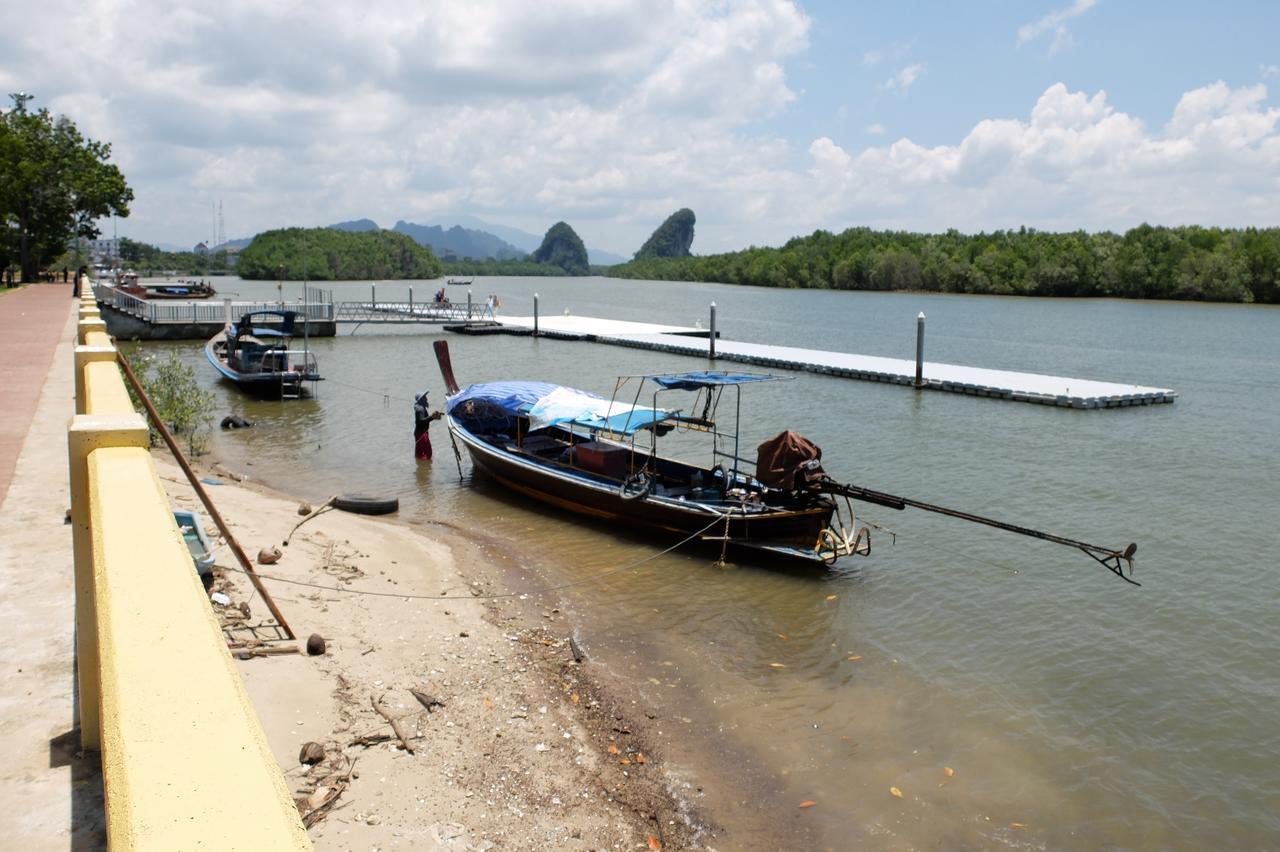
x=364, y=505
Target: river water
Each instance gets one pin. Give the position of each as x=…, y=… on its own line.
x=1072, y=709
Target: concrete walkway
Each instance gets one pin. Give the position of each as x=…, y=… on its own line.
x=50, y=798
x=31, y=325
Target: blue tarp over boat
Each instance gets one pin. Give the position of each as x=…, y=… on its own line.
x=494, y=406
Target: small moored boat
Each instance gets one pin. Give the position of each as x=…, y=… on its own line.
x=599, y=457
x=128, y=283
x=255, y=353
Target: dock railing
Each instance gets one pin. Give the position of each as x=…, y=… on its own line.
x=212, y=310
x=185, y=762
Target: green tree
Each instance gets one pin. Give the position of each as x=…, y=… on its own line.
x=326, y=254
x=170, y=384
x=54, y=185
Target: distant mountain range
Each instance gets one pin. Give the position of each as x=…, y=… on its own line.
x=474, y=238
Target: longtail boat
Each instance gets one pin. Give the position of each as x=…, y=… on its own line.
x=599, y=457
x=256, y=354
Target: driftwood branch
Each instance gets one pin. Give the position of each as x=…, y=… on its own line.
x=321, y=810
x=391, y=720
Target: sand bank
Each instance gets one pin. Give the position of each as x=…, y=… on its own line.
x=521, y=746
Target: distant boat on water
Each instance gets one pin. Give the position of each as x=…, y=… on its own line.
x=258, y=357
x=460, y=281
x=129, y=283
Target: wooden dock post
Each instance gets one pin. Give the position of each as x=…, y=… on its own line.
x=468, y=304
x=373, y=295
x=712, y=336
x=410, y=301
x=920, y=350
x=535, y=314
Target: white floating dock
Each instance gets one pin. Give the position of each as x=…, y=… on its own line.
x=568, y=325
x=976, y=381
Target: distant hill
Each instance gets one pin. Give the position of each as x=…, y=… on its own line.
x=472, y=237
x=563, y=247
x=673, y=237
x=529, y=243
x=332, y=254
x=233, y=244
x=356, y=226
x=460, y=242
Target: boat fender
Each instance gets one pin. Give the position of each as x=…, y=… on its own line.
x=362, y=505
x=720, y=477
x=636, y=486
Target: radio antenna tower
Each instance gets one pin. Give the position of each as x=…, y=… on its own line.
x=222, y=226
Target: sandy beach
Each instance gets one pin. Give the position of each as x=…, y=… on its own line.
x=511, y=740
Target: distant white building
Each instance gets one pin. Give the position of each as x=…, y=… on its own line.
x=201, y=249
x=101, y=251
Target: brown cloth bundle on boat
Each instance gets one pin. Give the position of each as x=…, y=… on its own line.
x=789, y=461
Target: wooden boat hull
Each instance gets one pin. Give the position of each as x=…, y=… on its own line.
x=600, y=497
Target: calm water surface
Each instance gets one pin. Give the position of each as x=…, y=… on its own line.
x=1075, y=710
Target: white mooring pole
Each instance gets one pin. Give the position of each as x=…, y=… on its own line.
x=535, y=314
x=920, y=350
x=712, y=336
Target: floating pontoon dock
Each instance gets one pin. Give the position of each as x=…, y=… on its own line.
x=975, y=381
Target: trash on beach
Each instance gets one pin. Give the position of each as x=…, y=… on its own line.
x=427, y=701
x=311, y=753
x=208, y=480
x=808, y=803
x=315, y=645
x=269, y=556
x=895, y=792
x=220, y=599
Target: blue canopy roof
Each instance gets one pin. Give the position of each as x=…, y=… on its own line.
x=703, y=379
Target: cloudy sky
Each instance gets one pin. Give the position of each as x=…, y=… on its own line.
x=768, y=118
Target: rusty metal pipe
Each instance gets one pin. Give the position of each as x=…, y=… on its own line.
x=202, y=494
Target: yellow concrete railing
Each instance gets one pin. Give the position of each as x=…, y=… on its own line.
x=185, y=763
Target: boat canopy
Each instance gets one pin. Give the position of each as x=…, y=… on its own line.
x=705, y=379
x=496, y=405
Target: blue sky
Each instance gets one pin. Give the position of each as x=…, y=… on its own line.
x=1145, y=55
x=769, y=118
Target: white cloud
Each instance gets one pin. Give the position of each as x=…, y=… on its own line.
x=902, y=81
x=312, y=113
x=898, y=50
x=1076, y=163
x=1055, y=22
x=589, y=112
x=1269, y=71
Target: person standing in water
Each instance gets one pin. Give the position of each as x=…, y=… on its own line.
x=422, y=417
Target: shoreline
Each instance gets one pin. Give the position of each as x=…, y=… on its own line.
x=524, y=730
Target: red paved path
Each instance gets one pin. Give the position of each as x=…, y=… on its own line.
x=31, y=324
